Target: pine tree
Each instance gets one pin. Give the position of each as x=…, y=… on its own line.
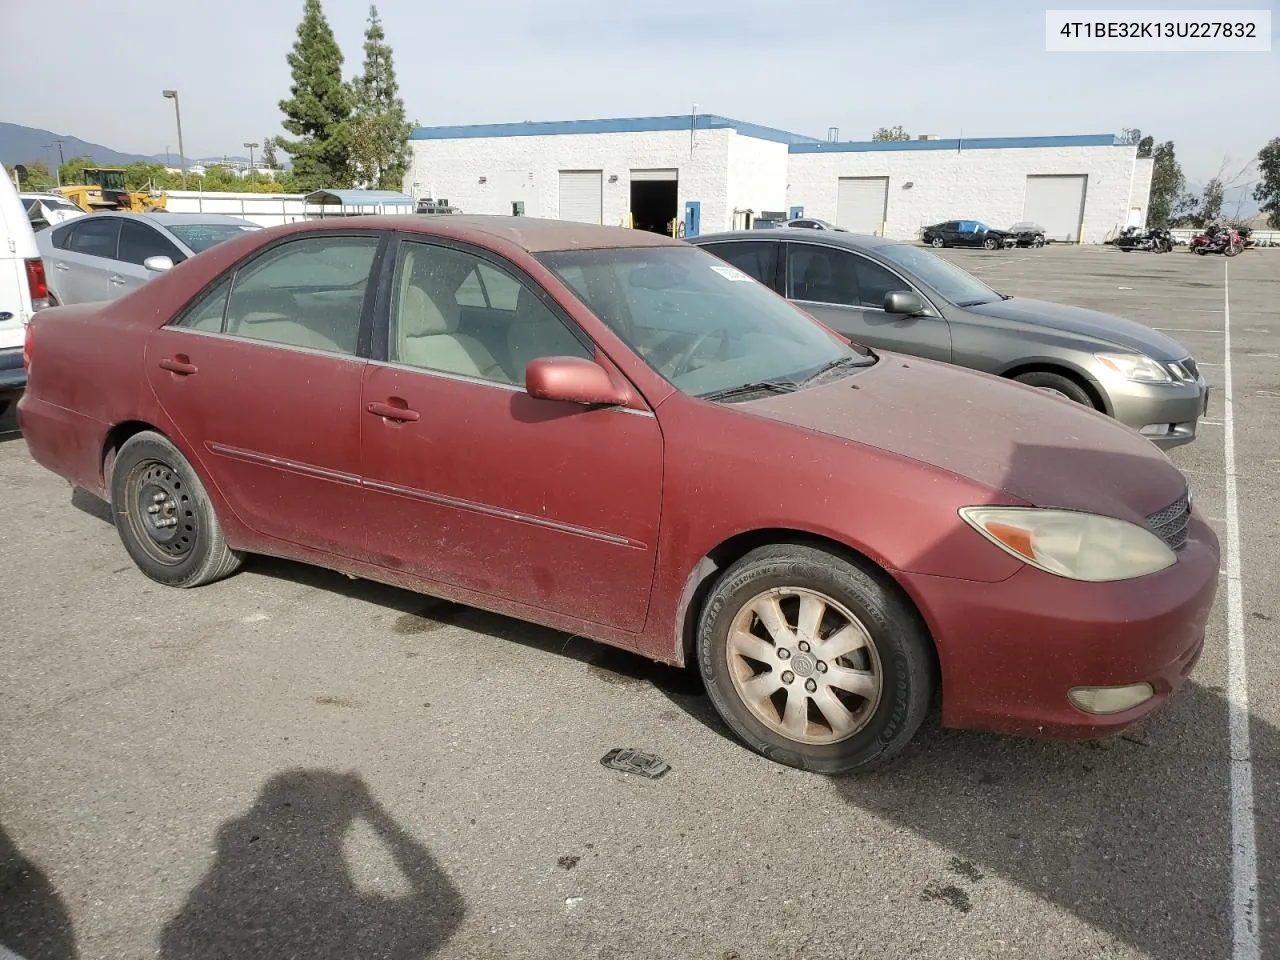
x=380, y=133
x=318, y=112
x=269, y=155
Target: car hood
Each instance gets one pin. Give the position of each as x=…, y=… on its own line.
x=1033, y=446
x=1089, y=323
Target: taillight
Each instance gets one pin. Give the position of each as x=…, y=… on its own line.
x=27, y=342
x=38, y=284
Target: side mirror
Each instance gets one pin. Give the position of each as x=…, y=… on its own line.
x=572, y=380
x=904, y=302
x=157, y=264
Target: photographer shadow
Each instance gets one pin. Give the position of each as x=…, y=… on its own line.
x=281, y=885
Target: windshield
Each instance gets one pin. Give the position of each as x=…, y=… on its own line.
x=953, y=284
x=107, y=179
x=201, y=236
x=705, y=326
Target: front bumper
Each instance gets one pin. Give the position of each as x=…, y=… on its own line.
x=13, y=376
x=1010, y=651
x=1167, y=414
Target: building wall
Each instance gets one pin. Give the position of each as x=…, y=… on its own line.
x=978, y=184
x=527, y=168
x=757, y=177
x=1140, y=191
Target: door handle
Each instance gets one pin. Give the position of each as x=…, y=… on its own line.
x=116, y=279
x=60, y=266
x=392, y=411
x=179, y=364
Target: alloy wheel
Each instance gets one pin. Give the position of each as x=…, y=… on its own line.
x=804, y=665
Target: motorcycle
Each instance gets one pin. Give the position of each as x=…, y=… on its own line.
x=1155, y=240
x=1223, y=240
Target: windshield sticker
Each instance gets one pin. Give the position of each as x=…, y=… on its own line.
x=730, y=273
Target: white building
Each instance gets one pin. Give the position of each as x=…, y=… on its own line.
x=711, y=173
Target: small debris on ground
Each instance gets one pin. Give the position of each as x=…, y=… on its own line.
x=567, y=862
x=630, y=760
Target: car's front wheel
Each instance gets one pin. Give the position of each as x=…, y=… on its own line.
x=1056, y=384
x=937, y=242
x=164, y=516
x=813, y=661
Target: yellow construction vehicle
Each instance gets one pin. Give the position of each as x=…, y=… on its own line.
x=104, y=189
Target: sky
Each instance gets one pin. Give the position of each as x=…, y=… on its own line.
x=977, y=68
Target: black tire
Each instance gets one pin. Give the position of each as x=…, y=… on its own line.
x=937, y=242
x=1056, y=383
x=4, y=407
x=900, y=649
x=192, y=551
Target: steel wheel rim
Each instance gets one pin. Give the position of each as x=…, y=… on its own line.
x=804, y=665
x=162, y=513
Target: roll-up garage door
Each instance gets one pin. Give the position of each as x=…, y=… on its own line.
x=862, y=204
x=1057, y=204
x=580, y=192
x=671, y=174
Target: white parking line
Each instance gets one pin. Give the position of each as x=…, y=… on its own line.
x=1185, y=330
x=1244, y=851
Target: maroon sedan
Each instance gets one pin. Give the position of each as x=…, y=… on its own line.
x=619, y=435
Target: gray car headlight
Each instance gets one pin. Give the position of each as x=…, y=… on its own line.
x=1078, y=546
x=1134, y=366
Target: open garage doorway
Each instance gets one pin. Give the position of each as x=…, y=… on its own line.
x=653, y=200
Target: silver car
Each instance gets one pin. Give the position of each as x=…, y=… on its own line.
x=103, y=256
x=900, y=297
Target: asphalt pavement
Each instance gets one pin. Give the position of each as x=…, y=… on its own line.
x=290, y=763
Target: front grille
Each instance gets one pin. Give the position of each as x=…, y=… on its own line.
x=1170, y=524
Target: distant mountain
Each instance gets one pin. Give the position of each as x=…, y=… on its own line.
x=19, y=144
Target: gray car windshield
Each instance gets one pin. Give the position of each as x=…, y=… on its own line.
x=705, y=326
x=201, y=236
x=953, y=284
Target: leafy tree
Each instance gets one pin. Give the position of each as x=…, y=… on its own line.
x=269, y=153
x=72, y=171
x=891, y=133
x=1267, y=189
x=379, y=131
x=38, y=176
x=1210, y=202
x=319, y=108
x=1145, y=146
x=1167, y=183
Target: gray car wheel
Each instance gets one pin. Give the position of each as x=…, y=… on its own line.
x=1057, y=384
x=937, y=242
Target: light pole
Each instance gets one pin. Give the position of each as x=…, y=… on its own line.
x=252, y=147
x=177, y=113
x=57, y=170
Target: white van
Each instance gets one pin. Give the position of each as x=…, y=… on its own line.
x=22, y=288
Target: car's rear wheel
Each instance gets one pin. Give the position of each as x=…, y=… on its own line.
x=937, y=242
x=1056, y=384
x=813, y=661
x=164, y=516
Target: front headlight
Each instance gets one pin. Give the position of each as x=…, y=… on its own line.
x=1135, y=366
x=1079, y=546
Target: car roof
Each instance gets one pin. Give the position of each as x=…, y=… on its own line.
x=531, y=234
x=854, y=241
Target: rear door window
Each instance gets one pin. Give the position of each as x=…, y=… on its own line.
x=96, y=237
x=755, y=258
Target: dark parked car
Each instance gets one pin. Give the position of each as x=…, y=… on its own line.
x=966, y=233
x=897, y=296
x=616, y=434
x=1027, y=233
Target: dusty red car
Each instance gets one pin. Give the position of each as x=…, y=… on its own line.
x=619, y=435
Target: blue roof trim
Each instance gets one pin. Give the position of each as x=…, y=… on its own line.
x=560, y=128
x=360, y=198
x=976, y=143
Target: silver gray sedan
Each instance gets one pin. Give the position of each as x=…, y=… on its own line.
x=103, y=256
x=900, y=297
